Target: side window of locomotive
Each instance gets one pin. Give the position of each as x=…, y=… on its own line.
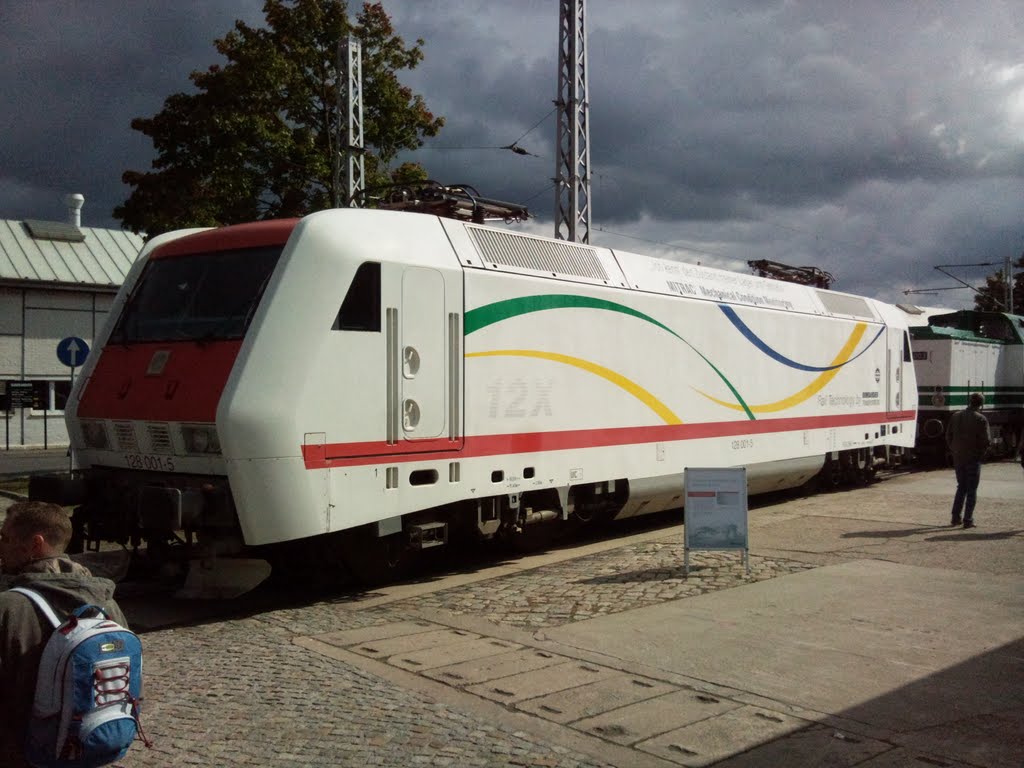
x=360, y=311
x=907, y=356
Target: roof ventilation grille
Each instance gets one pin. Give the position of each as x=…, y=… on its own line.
x=560, y=258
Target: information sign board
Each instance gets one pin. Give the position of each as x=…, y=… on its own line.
x=20, y=394
x=715, y=508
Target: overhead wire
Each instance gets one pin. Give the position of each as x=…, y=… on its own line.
x=512, y=146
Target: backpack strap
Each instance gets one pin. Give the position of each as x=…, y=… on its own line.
x=41, y=604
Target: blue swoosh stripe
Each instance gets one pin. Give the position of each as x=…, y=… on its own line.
x=757, y=342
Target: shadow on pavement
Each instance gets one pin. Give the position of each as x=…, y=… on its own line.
x=955, y=534
x=649, y=574
x=971, y=714
x=975, y=535
x=893, y=534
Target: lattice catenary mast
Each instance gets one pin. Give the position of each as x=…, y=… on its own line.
x=572, y=162
x=349, y=170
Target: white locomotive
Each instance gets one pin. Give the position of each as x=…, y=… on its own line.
x=369, y=383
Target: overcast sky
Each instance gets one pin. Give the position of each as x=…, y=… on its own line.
x=872, y=139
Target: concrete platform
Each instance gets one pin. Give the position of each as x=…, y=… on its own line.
x=869, y=634
x=903, y=649
x=885, y=644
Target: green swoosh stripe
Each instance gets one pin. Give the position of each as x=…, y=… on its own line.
x=489, y=314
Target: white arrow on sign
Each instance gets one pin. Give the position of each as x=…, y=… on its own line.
x=73, y=350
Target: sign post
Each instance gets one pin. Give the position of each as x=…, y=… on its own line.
x=20, y=395
x=72, y=351
x=715, y=508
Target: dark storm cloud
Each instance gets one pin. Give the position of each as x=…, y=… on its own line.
x=75, y=75
x=871, y=139
x=874, y=140
x=774, y=104
x=784, y=111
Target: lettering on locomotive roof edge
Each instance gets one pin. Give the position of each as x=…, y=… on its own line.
x=736, y=297
x=719, y=277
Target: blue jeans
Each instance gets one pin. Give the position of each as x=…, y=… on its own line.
x=967, y=478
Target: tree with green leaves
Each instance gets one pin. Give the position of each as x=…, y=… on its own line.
x=256, y=140
x=992, y=297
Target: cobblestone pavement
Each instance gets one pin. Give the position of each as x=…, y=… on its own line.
x=242, y=693
x=618, y=580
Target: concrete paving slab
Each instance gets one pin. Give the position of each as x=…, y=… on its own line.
x=541, y=682
x=831, y=639
x=710, y=740
x=921, y=498
x=596, y=698
x=989, y=682
x=377, y=632
x=381, y=649
x=495, y=667
x=641, y=721
x=813, y=747
x=995, y=546
x=446, y=655
x=999, y=480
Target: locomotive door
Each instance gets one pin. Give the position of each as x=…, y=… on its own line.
x=894, y=370
x=423, y=356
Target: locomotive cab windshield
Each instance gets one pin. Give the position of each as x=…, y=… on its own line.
x=198, y=297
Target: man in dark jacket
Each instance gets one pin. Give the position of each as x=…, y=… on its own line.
x=968, y=438
x=32, y=543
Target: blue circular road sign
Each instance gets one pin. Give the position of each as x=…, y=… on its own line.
x=72, y=351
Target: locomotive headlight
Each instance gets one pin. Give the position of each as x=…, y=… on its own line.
x=201, y=439
x=94, y=435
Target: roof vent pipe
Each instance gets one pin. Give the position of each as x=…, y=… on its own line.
x=75, y=203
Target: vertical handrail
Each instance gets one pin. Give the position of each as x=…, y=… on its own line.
x=454, y=375
x=391, y=385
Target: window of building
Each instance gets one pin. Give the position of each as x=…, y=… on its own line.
x=49, y=395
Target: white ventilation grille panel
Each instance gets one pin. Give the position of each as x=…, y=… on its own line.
x=557, y=258
x=159, y=438
x=124, y=433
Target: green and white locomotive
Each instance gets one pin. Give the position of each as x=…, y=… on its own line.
x=970, y=351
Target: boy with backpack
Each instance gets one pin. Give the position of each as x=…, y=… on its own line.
x=33, y=538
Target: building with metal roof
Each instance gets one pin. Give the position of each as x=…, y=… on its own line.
x=58, y=280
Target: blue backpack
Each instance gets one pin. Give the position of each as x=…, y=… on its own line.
x=86, y=707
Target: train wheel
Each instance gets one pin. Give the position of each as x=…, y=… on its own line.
x=77, y=544
x=831, y=475
x=871, y=470
x=591, y=520
x=862, y=463
x=373, y=560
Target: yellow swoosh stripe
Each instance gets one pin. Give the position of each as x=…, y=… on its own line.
x=811, y=389
x=618, y=380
